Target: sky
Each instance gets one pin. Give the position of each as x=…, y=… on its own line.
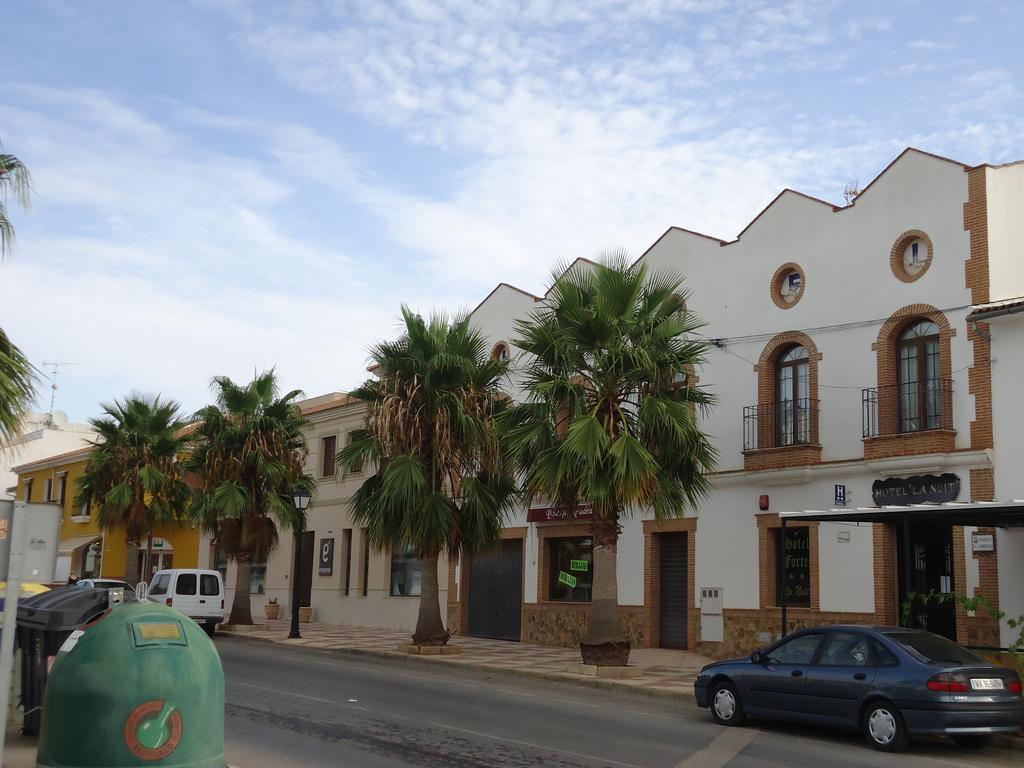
x=223, y=186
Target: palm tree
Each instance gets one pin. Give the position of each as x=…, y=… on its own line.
x=17, y=376
x=440, y=483
x=14, y=181
x=248, y=455
x=608, y=419
x=133, y=476
x=17, y=387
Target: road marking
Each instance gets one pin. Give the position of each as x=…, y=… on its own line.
x=723, y=748
x=532, y=745
x=300, y=695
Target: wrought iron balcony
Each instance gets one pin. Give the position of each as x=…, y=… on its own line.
x=780, y=424
x=907, y=408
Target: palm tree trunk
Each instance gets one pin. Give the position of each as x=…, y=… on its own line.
x=241, y=608
x=604, y=643
x=131, y=564
x=429, y=626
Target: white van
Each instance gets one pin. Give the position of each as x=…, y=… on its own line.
x=197, y=593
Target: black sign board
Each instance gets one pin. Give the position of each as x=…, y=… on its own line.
x=900, y=491
x=796, y=566
x=326, y=557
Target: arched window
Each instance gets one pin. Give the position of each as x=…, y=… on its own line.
x=919, y=377
x=792, y=396
x=500, y=351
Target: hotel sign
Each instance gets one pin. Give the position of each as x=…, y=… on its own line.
x=556, y=515
x=919, y=489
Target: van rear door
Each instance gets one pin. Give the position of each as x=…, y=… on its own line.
x=186, y=593
x=211, y=595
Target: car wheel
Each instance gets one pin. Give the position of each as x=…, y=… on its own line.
x=725, y=704
x=971, y=740
x=884, y=728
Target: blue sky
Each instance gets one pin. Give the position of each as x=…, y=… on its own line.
x=222, y=186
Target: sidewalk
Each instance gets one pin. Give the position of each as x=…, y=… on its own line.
x=660, y=672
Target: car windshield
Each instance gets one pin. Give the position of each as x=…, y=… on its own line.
x=935, y=649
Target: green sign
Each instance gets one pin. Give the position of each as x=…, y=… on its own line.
x=579, y=565
x=567, y=578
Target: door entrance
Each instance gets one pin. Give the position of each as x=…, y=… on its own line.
x=674, y=598
x=496, y=592
x=931, y=573
x=306, y=559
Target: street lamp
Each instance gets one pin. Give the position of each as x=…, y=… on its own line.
x=301, y=498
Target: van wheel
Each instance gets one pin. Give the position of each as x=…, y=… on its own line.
x=884, y=728
x=725, y=706
x=210, y=627
x=971, y=740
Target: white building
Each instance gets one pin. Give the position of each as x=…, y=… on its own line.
x=41, y=436
x=846, y=373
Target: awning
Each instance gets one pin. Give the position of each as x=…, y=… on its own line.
x=983, y=514
x=75, y=542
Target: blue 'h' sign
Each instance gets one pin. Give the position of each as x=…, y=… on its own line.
x=840, y=495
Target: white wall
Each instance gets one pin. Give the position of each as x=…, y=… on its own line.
x=1005, y=198
x=1008, y=427
x=40, y=439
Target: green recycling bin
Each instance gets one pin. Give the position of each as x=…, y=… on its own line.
x=140, y=686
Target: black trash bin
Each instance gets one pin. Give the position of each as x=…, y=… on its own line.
x=44, y=622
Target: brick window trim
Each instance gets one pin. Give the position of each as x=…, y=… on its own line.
x=775, y=287
x=545, y=533
x=899, y=269
x=652, y=579
x=891, y=442
x=768, y=559
x=766, y=369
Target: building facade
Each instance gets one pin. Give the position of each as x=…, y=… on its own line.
x=85, y=550
x=341, y=577
x=42, y=435
x=846, y=373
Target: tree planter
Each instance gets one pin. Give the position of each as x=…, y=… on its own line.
x=606, y=654
x=305, y=614
x=272, y=610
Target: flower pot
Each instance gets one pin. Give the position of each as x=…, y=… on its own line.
x=272, y=610
x=305, y=614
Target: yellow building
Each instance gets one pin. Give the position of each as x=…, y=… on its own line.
x=85, y=550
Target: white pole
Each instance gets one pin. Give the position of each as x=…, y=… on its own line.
x=19, y=532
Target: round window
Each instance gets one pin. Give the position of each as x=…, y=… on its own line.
x=787, y=285
x=911, y=255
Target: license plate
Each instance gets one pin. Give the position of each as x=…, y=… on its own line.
x=987, y=683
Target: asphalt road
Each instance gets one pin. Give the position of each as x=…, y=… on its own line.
x=300, y=707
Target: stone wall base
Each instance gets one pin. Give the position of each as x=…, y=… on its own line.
x=563, y=625
x=746, y=630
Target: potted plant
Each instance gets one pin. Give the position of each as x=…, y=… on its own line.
x=305, y=614
x=272, y=609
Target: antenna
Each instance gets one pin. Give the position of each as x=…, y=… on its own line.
x=53, y=383
x=851, y=191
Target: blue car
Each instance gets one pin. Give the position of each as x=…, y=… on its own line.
x=890, y=682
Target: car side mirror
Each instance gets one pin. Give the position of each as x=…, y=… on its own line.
x=758, y=657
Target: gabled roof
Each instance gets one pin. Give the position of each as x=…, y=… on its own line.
x=833, y=208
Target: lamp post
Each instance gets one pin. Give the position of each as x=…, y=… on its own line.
x=301, y=497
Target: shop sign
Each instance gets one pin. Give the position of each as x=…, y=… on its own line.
x=983, y=542
x=796, y=567
x=326, y=557
x=579, y=565
x=555, y=514
x=900, y=491
x=567, y=578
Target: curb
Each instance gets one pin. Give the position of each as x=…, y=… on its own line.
x=558, y=677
